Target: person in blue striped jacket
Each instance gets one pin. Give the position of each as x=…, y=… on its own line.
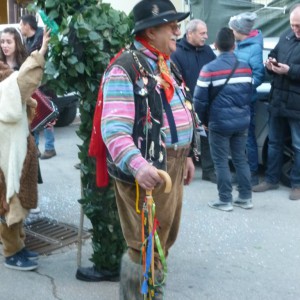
x=222, y=99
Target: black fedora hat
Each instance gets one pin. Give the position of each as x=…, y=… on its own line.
x=149, y=13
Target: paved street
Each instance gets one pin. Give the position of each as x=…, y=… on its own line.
x=218, y=256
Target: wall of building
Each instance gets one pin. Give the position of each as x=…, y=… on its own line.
x=3, y=12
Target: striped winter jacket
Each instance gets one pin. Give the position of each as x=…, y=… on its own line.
x=229, y=111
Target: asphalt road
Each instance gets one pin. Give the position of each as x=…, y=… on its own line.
x=234, y=255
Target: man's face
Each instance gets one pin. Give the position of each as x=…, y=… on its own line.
x=295, y=22
x=198, y=38
x=165, y=36
x=8, y=44
x=24, y=28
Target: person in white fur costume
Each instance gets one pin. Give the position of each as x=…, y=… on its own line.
x=18, y=156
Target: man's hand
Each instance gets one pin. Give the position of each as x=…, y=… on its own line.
x=269, y=64
x=189, y=171
x=276, y=67
x=147, y=177
x=280, y=69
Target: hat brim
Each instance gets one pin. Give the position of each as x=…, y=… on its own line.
x=159, y=20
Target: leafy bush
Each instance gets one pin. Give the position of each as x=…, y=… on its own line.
x=90, y=33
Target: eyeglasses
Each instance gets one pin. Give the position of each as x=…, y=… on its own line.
x=175, y=27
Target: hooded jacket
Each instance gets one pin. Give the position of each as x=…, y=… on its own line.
x=250, y=51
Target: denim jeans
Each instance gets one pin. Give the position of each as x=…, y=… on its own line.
x=49, y=138
x=221, y=146
x=278, y=131
x=252, y=151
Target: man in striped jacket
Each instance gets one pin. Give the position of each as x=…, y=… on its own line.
x=222, y=98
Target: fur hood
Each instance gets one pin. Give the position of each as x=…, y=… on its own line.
x=5, y=71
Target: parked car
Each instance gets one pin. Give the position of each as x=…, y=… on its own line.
x=262, y=116
x=67, y=104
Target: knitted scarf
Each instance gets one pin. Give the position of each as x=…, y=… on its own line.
x=162, y=58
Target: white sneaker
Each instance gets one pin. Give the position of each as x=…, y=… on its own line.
x=225, y=206
x=243, y=203
x=36, y=210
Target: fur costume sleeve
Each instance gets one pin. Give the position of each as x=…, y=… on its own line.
x=30, y=74
x=14, y=134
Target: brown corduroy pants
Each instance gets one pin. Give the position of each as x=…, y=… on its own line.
x=12, y=238
x=168, y=208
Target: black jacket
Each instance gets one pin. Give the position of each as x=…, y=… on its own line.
x=35, y=42
x=190, y=60
x=285, y=91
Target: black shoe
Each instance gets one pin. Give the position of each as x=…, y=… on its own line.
x=92, y=274
x=210, y=176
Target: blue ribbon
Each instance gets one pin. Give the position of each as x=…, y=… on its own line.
x=144, y=288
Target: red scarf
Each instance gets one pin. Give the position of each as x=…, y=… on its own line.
x=163, y=68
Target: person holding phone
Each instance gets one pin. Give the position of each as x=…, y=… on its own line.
x=284, y=65
x=273, y=61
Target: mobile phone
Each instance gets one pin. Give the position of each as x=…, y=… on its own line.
x=275, y=63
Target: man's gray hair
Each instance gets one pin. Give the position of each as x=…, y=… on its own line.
x=193, y=25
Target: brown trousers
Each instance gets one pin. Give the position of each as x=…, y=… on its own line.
x=168, y=208
x=12, y=238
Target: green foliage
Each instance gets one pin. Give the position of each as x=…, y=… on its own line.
x=90, y=33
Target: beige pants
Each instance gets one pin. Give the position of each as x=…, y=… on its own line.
x=12, y=238
x=168, y=209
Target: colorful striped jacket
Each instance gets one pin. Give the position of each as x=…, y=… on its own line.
x=119, y=116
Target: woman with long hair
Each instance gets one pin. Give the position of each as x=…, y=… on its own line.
x=13, y=52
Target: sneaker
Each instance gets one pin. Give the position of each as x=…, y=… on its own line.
x=295, y=194
x=36, y=210
x=225, y=206
x=243, y=203
x=20, y=262
x=32, y=255
x=48, y=154
x=264, y=186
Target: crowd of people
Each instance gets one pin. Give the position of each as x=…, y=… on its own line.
x=154, y=95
